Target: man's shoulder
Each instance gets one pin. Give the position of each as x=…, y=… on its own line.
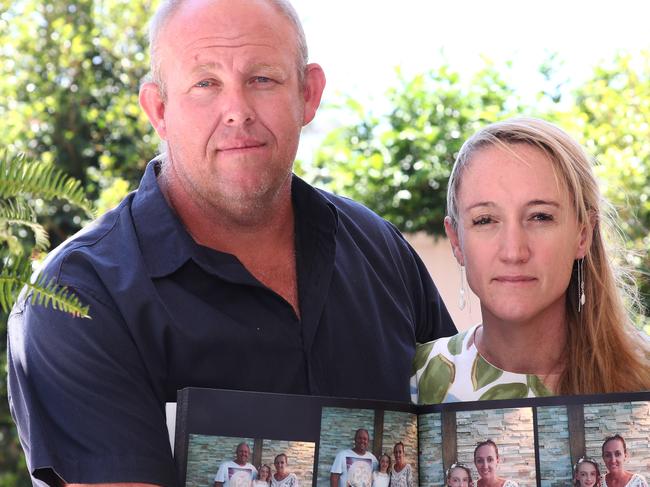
x=97, y=244
x=353, y=210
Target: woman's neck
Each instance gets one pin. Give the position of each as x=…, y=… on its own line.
x=525, y=347
x=491, y=482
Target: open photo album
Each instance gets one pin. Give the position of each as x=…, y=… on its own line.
x=243, y=439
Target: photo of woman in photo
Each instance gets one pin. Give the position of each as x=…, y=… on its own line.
x=402, y=474
x=486, y=460
x=527, y=226
x=614, y=456
x=459, y=475
x=282, y=477
x=381, y=477
x=586, y=473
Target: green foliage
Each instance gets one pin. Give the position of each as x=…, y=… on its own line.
x=612, y=114
x=21, y=181
x=398, y=163
x=71, y=72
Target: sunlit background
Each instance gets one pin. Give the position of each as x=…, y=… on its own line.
x=69, y=76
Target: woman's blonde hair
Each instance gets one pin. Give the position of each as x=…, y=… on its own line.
x=603, y=351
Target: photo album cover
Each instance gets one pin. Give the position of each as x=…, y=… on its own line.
x=240, y=439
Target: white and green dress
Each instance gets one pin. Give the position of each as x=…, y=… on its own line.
x=452, y=370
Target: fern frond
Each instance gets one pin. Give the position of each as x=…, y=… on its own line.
x=15, y=274
x=20, y=213
x=19, y=175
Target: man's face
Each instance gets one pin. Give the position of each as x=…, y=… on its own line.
x=242, y=453
x=361, y=440
x=234, y=106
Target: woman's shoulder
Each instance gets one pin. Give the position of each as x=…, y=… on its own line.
x=510, y=483
x=637, y=480
x=436, y=365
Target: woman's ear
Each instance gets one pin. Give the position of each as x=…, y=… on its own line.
x=454, y=240
x=585, y=236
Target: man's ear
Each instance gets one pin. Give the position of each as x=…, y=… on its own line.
x=452, y=235
x=313, y=86
x=152, y=103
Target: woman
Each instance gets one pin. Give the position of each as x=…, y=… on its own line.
x=486, y=459
x=381, y=477
x=264, y=477
x=615, y=455
x=459, y=475
x=586, y=473
x=282, y=477
x=525, y=223
x=402, y=475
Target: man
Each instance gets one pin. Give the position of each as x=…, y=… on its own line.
x=354, y=467
x=221, y=270
x=237, y=473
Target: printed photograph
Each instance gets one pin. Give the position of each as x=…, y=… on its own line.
x=222, y=461
x=594, y=445
x=490, y=446
x=367, y=448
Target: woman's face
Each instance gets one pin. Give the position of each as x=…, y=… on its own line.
x=265, y=473
x=517, y=233
x=384, y=463
x=586, y=474
x=280, y=464
x=458, y=478
x=398, y=451
x=486, y=461
x=614, y=456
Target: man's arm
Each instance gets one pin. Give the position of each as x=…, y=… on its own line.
x=218, y=484
x=79, y=389
x=334, y=479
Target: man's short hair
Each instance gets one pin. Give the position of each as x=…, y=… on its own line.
x=356, y=433
x=166, y=10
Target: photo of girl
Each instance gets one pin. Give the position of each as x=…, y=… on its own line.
x=586, y=473
x=459, y=475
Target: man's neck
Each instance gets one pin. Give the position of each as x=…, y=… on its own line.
x=264, y=244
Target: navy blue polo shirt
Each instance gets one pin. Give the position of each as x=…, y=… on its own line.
x=88, y=395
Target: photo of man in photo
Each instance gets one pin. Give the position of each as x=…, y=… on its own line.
x=354, y=467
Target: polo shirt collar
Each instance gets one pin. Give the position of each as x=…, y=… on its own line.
x=164, y=242
x=166, y=245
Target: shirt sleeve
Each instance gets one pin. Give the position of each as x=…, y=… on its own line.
x=222, y=473
x=337, y=466
x=82, y=398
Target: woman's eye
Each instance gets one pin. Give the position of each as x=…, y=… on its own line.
x=542, y=217
x=203, y=83
x=482, y=220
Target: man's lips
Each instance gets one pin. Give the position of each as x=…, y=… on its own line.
x=240, y=146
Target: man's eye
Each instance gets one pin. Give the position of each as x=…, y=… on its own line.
x=205, y=83
x=262, y=80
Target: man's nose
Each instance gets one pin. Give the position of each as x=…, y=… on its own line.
x=238, y=109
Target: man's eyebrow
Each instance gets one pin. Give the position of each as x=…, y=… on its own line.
x=267, y=68
x=205, y=67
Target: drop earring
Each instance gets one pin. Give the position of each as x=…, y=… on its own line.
x=581, y=285
x=462, y=296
